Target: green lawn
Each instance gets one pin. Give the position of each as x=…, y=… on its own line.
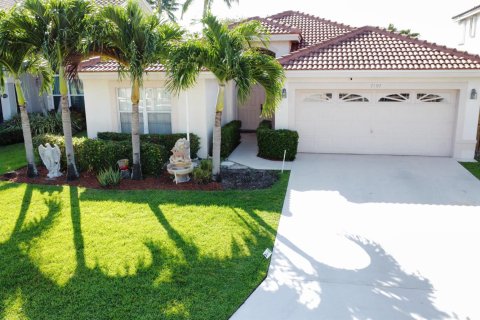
x=75, y=253
x=473, y=167
x=12, y=157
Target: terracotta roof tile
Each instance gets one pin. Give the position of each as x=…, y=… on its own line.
x=370, y=48
x=98, y=65
x=272, y=26
x=313, y=29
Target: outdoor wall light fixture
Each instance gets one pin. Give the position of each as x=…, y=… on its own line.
x=473, y=94
x=284, y=93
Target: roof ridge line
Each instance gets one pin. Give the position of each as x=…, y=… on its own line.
x=290, y=12
x=321, y=45
x=431, y=45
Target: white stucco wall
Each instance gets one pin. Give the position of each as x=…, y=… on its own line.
x=468, y=30
x=462, y=82
x=101, y=107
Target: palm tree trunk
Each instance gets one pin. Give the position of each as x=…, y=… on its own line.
x=206, y=7
x=217, y=133
x=136, y=168
x=27, y=132
x=72, y=172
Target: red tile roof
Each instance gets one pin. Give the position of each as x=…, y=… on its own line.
x=96, y=64
x=327, y=45
x=272, y=26
x=313, y=29
x=371, y=48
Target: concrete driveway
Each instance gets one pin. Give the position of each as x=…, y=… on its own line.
x=374, y=237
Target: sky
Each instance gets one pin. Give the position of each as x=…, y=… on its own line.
x=432, y=19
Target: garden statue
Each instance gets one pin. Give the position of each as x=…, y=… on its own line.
x=51, y=159
x=180, y=163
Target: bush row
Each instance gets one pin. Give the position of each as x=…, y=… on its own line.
x=273, y=143
x=10, y=136
x=96, y=155
x=51, y=123
x=165, y=140
x=230, y=137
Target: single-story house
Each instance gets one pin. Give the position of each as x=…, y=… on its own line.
x=348, y=90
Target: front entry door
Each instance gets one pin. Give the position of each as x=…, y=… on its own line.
x=249, y=113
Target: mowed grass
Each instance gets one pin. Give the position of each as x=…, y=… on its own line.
x=473, y=167
x=74, y=253
x=12, y=157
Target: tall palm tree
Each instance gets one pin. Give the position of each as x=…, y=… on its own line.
x=135, y=40
x=17, y=59
x=207, y=6
x=57, y=29
x=229, y=55
x=166, y=8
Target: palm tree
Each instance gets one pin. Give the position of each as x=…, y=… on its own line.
x=406, y=32
x=17, y=59
x=228, y=54
x=165, y=8
x=207, y=6
x=57, y=29
x=135, y=40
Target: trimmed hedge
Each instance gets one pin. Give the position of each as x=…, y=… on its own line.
x=10, y=136
x=230, y=137
x=273, y=143
x=165, y=140
x=96, y=155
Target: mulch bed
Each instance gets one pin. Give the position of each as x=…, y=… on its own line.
x=231, y=179
x=89, y=180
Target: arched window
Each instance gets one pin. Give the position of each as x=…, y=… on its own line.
x=429, y=97
x=395, y=97
x=352, y=97
x=318, y=97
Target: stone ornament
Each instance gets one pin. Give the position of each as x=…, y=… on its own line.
x=180, y=163
x=51, y=159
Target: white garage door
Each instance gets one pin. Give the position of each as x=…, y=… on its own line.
x=405, y=122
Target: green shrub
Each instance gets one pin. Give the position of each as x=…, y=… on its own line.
x=10, y=136
x=203, y=173
x=109, y=177
x=273, y=143
x=44, y=124
x=165, y=140
x=96, y=155
x=230, y=137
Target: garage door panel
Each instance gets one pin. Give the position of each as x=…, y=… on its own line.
x=403, y=128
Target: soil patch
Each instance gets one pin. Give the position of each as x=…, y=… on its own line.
x=248, y=178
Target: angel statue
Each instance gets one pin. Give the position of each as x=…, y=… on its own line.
x=51, y=159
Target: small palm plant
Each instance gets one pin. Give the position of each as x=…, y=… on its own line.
x=56, y=28
x=230, y=56
x=135, y=40
x=17, y=59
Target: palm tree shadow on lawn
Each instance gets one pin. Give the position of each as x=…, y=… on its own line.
x=186, y=293
x=169, y=287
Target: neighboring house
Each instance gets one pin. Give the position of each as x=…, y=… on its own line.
x=31, y=85
x=348, y=90
x=469, y=30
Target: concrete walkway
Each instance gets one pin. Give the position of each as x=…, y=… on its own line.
x=374, y=237
x=246, y=154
